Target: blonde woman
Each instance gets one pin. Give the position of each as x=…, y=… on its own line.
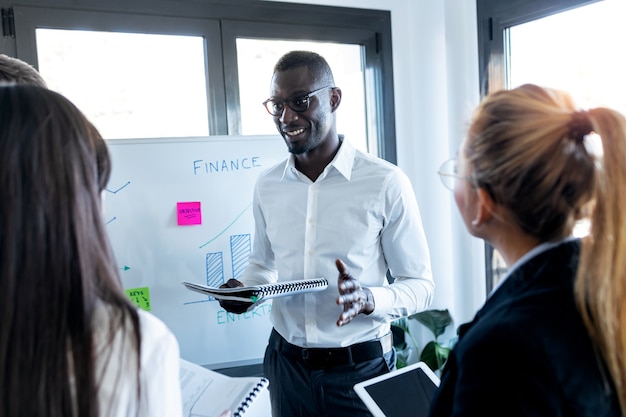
x=550, y=339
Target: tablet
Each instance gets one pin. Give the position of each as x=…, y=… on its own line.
x=406, y=391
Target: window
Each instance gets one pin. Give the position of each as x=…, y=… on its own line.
x=195, y=68
x=495, y=21
x=349, y=53
x=575, y=57
x=123, y=84
x=559, y=44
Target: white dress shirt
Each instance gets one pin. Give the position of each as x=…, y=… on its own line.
x=117, y=365
x=362, y=210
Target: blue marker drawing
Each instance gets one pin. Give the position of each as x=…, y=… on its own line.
x=199, y=301
x=240, y=248
x=227, y=227
x=114, y=218
x=214, y=269
x=119, y=189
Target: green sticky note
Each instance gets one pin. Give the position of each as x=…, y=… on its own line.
x=140, y=296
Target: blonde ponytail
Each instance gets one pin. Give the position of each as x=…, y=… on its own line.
x=601, y=279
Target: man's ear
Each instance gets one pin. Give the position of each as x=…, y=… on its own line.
x=335, y=98
x=484, y=209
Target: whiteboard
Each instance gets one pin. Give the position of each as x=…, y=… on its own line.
x=207, y=185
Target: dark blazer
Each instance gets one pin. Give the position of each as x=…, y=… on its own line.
x=527, y=353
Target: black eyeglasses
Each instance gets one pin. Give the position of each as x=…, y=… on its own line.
x=297, y=104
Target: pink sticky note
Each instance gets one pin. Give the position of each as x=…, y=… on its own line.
x=189, y=213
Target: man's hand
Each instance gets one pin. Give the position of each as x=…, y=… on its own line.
x=352, y=296
x=236, y=307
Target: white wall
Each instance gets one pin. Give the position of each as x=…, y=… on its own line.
x=435, y=60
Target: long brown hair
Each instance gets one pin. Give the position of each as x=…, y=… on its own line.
x=530, y=148
x=56, y=265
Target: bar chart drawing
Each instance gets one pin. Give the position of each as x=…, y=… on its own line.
x=214, y=269
x=240, y=247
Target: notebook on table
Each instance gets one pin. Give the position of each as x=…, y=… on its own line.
x=400, y=393
x=207, y=393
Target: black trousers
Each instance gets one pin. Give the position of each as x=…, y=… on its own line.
x=299, y=388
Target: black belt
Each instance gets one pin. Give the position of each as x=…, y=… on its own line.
x=324, y=358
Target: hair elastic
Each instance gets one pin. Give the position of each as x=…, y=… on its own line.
x=580, y=126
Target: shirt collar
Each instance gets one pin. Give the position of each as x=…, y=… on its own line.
x=342, y=162
x=527, y=256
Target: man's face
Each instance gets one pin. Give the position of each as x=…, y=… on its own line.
x=304, y=130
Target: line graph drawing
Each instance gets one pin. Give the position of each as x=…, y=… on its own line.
x=119, y=189
x=227, y=226
x=240, y=247
x=115, y=192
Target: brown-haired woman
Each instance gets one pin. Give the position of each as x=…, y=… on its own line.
x=71, y=343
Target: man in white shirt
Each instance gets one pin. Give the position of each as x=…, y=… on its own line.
x=329, y=208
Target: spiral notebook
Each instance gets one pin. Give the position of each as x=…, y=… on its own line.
x=207, y=393
x=258, y=293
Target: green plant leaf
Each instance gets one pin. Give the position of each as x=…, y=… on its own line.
x=401, y=323
x=442, y=354
x=429, y=356
x=400, y=331
x=435, y=320
x=399, y=339
x=402, y=357
x=400, y=363
x=434, y=355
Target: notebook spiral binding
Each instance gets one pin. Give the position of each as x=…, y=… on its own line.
x=245, y=404
x=284, y=287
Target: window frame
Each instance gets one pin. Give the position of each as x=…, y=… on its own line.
x=494, y=18
x=28, y=19
x=234, y=29
x=220, y=21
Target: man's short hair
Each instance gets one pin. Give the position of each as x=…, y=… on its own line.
x=313, y=61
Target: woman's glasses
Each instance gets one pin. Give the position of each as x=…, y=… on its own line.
x=449, y=175
x=298, y=104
